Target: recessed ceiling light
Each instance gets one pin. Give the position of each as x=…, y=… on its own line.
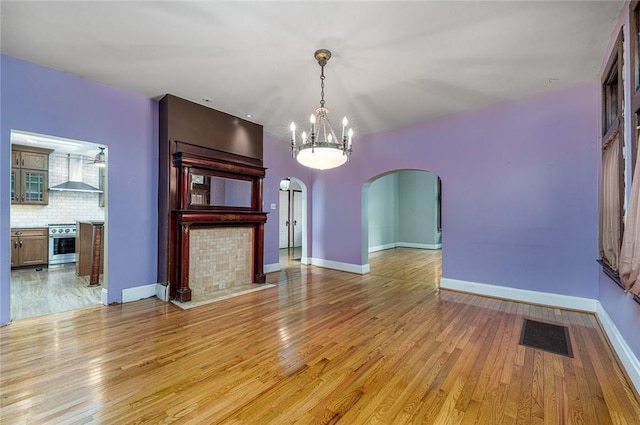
x=249, y=115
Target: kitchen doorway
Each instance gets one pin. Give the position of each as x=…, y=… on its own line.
x=58, y=224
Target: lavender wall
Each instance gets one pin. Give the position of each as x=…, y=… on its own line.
x=622, y=310
x=46, y=101
x=519, y=191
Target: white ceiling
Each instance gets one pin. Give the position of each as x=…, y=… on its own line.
x=394, y=63
x=58, y=144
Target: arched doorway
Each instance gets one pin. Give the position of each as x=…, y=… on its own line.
x=292, y=219
x=401, y=210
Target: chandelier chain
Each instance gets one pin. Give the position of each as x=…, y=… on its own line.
x=322, y=86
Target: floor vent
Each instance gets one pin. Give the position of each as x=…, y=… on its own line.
x=547, y=337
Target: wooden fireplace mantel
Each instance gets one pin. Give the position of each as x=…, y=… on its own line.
x=188, y=215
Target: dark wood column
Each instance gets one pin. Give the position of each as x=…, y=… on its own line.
x=184, y=292
x=258, y=257
x=96, y=257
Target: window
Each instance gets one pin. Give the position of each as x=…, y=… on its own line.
x=612, y=176
x=610, y=96
x=629, y=262
x=634, y=25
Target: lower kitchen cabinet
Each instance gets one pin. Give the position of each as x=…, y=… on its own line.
x=29, y=247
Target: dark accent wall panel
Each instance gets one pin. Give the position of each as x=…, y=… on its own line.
x=164, y=168
x=201, y=126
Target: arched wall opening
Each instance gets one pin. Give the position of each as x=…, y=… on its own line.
x=401, y=208
x=292, y=220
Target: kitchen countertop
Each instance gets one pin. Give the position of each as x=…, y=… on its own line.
x=30, y=227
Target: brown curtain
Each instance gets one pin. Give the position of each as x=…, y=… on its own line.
x=630, y=254
x=610, y=232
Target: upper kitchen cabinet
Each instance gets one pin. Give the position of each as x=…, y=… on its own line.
x=29, y=175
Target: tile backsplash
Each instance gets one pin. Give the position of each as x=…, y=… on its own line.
x=64, y=207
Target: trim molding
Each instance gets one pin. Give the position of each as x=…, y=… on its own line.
x=162, y=292
x=524, y=295
x=138, y=292
x=345, y=267
x=419, y=245
x=104, y=296
x=270, y=268
x=629, y=361
x=305, y=260
x=382, y=247
x=404, y=245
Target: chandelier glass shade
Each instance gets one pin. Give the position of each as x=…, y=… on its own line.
x=320, y=148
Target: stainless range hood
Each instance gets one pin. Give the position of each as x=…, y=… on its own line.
x=75, y=183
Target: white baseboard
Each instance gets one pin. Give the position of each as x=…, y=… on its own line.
x=305, y=260
x=104, y=296
x=138, y=292
x=404, y=245
x=419, y=245
x=524, y=295
x=382, y=247
x=162, y=292
x=345, y=267
x=629, y=360
x=270, y=268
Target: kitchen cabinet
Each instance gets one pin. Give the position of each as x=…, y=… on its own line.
x=29, y=247
x=29, y=175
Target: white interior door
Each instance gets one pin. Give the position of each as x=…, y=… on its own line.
x=296, y=213
x=283, y=217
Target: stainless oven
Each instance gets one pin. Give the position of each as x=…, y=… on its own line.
x=62, y=243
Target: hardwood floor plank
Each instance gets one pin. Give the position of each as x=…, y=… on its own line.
x=321, y=347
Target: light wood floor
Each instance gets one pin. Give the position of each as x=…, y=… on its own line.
x=290, y=257
x=322, y=347
x=50, y=290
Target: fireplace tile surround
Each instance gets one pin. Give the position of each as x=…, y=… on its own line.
x=220, y=258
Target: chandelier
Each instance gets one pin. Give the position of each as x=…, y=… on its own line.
x=321, y=149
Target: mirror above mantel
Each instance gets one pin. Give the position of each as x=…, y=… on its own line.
x=209, y=190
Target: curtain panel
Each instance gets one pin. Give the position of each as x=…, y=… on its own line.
x=629, y=261
x=610, y=235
